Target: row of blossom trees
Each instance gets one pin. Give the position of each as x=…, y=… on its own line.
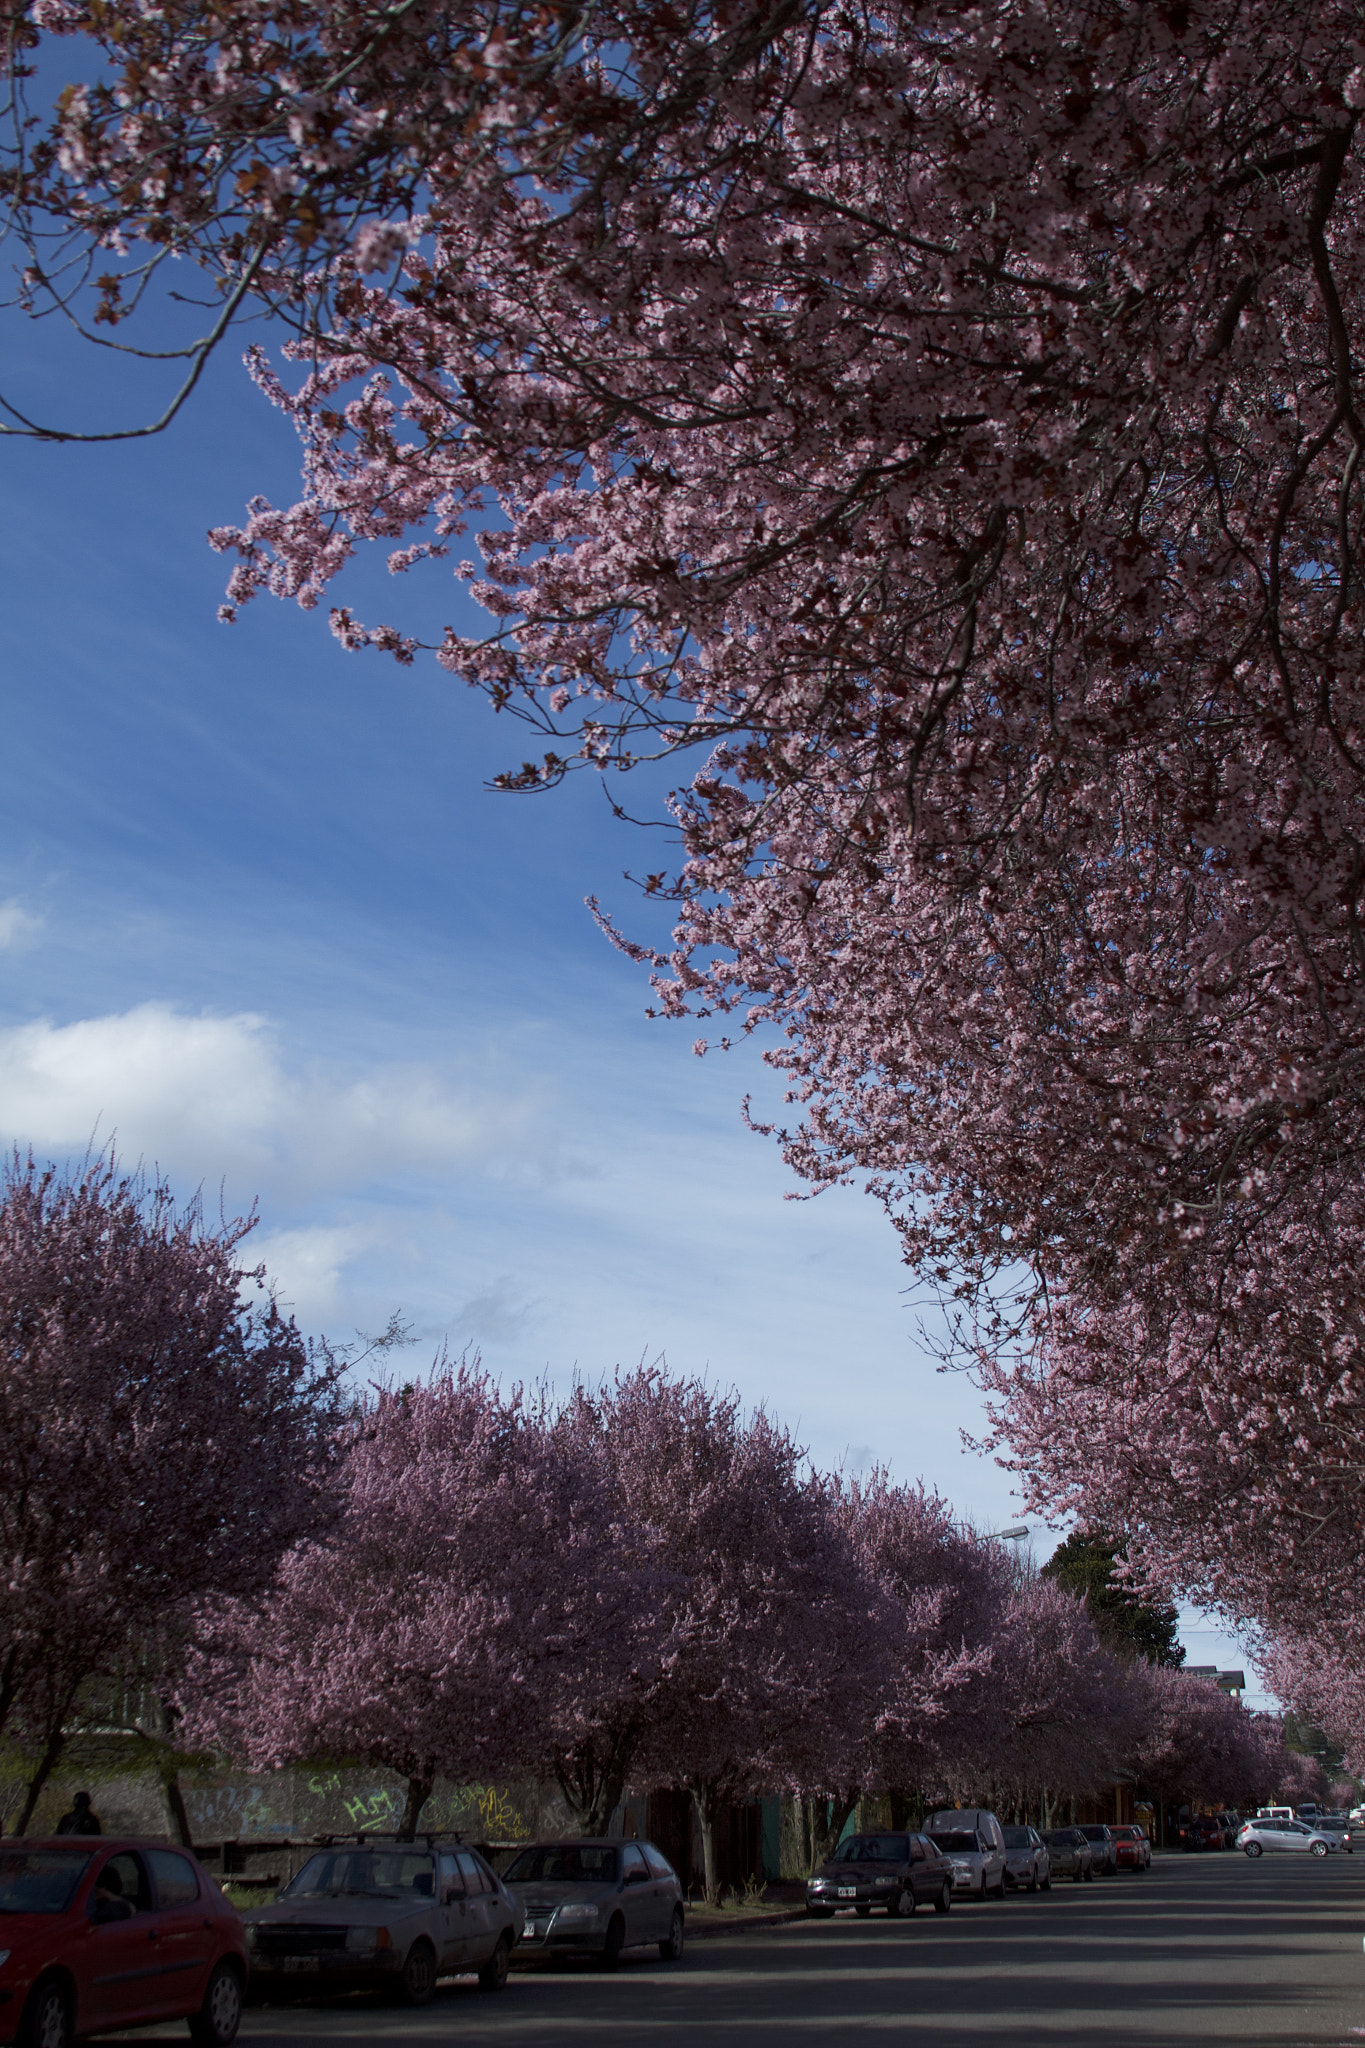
x=640, y=1585
x=646, y=1586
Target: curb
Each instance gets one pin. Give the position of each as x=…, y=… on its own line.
x=754, y=1921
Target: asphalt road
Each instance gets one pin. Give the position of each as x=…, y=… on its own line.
x=1198, y=1950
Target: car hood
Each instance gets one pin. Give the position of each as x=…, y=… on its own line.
x=321, y=1910
x=544, y=1897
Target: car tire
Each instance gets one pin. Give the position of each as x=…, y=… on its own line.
x=47, y=2016
x=1319, y=1848
x=944, y=1902
x=1046, y=1882
x=417, y=1980
x=819, y=1912
x=610, y=1957
x=1000, y=1888
x=1076, y=1876
x=863, y=1911
x=1090, y=1875
x=219, y=2016
x=671, y=1950
x=1033, y=1879
x=1253, y=1849
x=493, y=1975
x=901, y=1904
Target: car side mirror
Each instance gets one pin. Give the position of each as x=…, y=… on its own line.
x=637, y=1877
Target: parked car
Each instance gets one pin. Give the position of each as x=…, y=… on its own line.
x=1202, y=1832
x=1101, y=1840
x=1071, y=1854
x=1294, y=1836
x=1132, y=1850
x=1337, y=1824
x=1027, y=1862
x=111, y=1933
x=974, y=1843
x=1274, y=1813
x=597, y=1897
x=898, y=1872
x=370, y=1915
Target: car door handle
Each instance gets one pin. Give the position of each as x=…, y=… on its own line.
x=152, y=1934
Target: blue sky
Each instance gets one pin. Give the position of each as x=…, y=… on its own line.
x=262, y=923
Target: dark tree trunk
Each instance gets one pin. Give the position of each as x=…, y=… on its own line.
x=419, y=1791
x=47, y=1763
x=175, y=1800
x=707, y=1800
x=593, y=1777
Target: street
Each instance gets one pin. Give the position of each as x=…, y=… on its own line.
x=1200, y=1949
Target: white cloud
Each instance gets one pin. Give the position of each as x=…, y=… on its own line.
x=16, y=923
x=305, y=1266
x=215, y=1096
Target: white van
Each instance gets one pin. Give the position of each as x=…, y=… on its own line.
x=973, y=1841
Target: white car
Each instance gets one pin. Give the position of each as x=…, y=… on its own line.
x=1263, y=1833
x=974, y=1843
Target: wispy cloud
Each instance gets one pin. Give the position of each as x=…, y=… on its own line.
x=16, y=923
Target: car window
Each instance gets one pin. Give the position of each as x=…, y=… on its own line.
x=564, y=1863
x=956, y=1842
x=452, y=1881
x=475, y=1881
x=660, y=1865
x=176, y=1881
x=40, y=1880
x=123, y=1877
x=1018, y=1838
x=917, y=1848
x=633, y=1865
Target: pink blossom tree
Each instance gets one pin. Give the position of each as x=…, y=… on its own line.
x=449, y=1622
x=162, y=1436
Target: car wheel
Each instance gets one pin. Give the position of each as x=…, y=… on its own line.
x=863, y=1911
x=218, y=2018
x=611, y=1948
x=417, y=1983
x=1319, y=1848
x=900, y=1904
x=1047, y=1882
x=1090, y=1875
x=1253, y=1848
x=1076, y=1876
x=671, y=1950
x=47, y=2016
x=493, y=1975
x=819, y=1912
x=944, y=1902
x=1033, y=1878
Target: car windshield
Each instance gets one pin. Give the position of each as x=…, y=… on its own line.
x=563, y=1863
x=956, y=1842
x=1063, y=1838
x=364, y=1873
x=1093, y=1834
x=1017, y=1838
x=40, y=1880
x=873, y=1849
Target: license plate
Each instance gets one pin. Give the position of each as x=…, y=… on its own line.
x=848, y=1891
x=296, y=1963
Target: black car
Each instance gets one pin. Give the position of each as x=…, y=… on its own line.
x=893, y=1871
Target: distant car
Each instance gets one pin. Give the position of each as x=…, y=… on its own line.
x=894, y=1871
x=105, y=1934
x=974, y=1843
x=597, y=1897
x=1132, y=1850
x=1203, y=1832
x=1071, y=1854
x=1295, y=1837
x=1101, y=1841
x=383, y=1916
x=1337, y=1824
x=1028, y=1865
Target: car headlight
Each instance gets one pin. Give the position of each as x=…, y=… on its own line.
x=882, y=1881
x=576, y=1916
x=362, y=1941
x=251, y=1934
x=4, y=1955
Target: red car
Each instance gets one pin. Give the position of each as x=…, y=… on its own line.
x=98, y=1934
x=1131, y=1847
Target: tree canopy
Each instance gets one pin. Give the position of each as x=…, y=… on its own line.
x=1084, y=1565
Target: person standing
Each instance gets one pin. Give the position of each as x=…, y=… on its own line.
x=82, y=1819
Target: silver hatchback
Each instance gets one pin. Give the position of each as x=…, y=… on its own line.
x=597, y=1897
x=369, y=1916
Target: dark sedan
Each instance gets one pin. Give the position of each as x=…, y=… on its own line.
x=597, y=1897
x=1104, y=1846
x=1071, y=1854
x=895, y=1872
